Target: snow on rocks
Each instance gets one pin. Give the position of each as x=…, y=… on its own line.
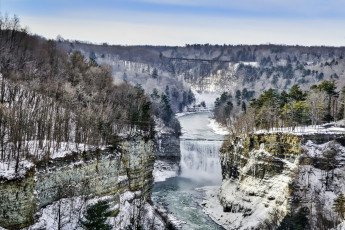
x=161, y=128
x=318, y=150
x=134, y=208
x=63, y=214
x=330, y=128
x=56, y=150
x=320, y=183
x=255, y=187
x=250, y=199
x=217, y=128
x=7, y=170
x=340, y=226
x=212, y=207
x=170, y=217
x=164, y=170
x=247, y=202
x=66, y=213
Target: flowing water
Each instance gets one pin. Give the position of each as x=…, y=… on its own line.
x=199, y=167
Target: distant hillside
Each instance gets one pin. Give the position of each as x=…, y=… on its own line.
x=218, y=69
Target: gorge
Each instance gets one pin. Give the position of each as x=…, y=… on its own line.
x=180, y=196
x=111, y=111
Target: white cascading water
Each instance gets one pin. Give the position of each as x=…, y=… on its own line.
x=200, y=149
x=199, y=167
x=200, y=161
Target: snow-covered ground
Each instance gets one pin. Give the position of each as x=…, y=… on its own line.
x=254, y=64
x=184, y=113
x=58, y=150
x=208, y=97
x=306, y=130
x=66, y=213
x=213, y=208
x=217, y=128
x=164, y=170
x=7, y=168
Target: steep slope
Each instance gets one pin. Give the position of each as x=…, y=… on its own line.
x=48, y=178
x=269, y=177
x=221, y=68
x=70, y=137
x=122, y=177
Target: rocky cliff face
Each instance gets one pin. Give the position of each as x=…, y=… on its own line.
x=168, y=155
x=257, y=171
x=110, y=174
x=168, y=147
x=319, y=180
x=267, y=176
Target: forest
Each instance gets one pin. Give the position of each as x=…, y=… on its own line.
x=49, y=99
x=272, y=109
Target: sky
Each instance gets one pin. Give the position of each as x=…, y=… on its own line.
x=180, y=22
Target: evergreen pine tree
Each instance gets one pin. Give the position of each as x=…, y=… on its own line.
x=339, y=205
x=154, y=73
x=167, y=112
x=238, y=97
x=296, y=93
x=244, y=107
x=154, y=94
x=96, y=215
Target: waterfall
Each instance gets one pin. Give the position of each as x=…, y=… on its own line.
x=200, y=161
x=199, y=167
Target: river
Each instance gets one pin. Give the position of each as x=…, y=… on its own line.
x=200, y=167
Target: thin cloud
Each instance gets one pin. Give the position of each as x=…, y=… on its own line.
x=315, y=9
x=232, y=31
x=165, y=23
x=264, y=8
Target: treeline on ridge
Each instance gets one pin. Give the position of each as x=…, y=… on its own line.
x=49, y=97
x=272, y=109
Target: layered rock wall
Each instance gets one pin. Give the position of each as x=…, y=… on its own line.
x=261, y=176
x=97, y=173
x=168, y=147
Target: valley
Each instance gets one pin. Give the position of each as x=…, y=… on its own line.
x=170, y=137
